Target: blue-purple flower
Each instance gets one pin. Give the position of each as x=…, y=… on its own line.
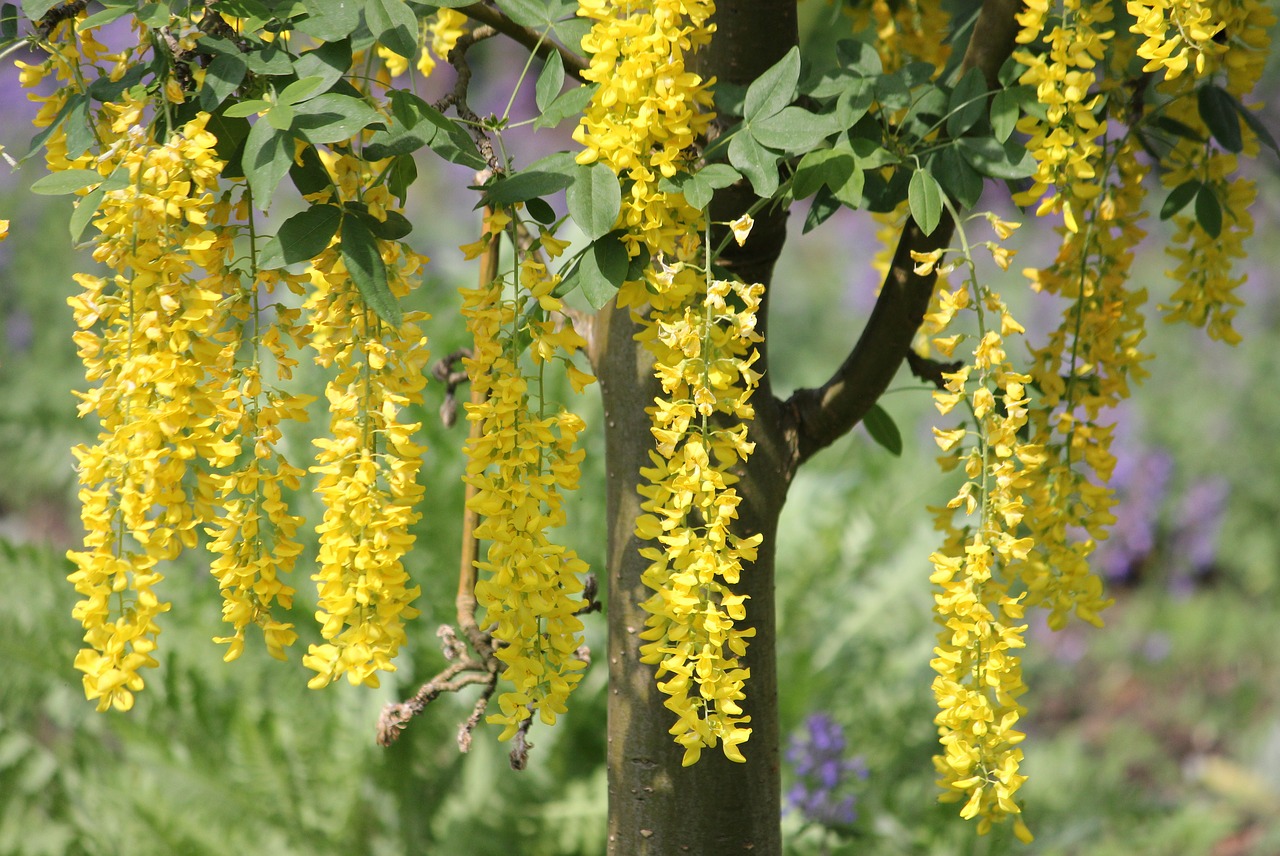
x=822, y=793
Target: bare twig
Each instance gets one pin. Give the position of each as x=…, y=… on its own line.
x=527, y=36
x=457, y=98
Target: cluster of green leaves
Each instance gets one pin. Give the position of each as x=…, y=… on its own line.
x=1222, y=113
x=875, y=139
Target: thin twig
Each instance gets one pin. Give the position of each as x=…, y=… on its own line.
x=527, y=36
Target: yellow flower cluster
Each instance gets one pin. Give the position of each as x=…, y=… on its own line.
x=703, y=360
x=520, y=462
x=1082, y=371
x=1205, y=295
x=979, y=674
x=1177, y=33
x=1066, y=142
x=435, y=40
x=648, y=113
x=644, y=122
x=906, y=31
x=369, y=465
x=254, y=538
x=185, y=354
x=144, y=339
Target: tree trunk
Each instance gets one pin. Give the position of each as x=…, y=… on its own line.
x=715, y=806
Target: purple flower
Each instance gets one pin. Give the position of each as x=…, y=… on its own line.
x=823, y=773
x=1141, y=480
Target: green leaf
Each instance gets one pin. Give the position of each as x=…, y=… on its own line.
x=1009, y=161
x=403, y=173
x=537, y=14
x=1180, y=197
x=280, y=117
x=302, y=237
x=250, y=107
x=327, y=63
x=9, y=22
x=223, y=77
x=1005, y=110
x=36, y=9
x=603, y=269
x=330, y=20
x=506, y=191
x=594, y=200
x=309, y=176
x=1218, y=112
x=892, y=92
x=88, y=205
x=967, y=104
x=271, y=61
x=791, y=129
x=859, y=57
x=540, y=210
x=925, y=198
x=569, y=103
x=959, y=180
x=364, y=263
x=854, y=103
x=80, y=133
x=883, y=430
x=1255, y=124
x=394, y=227
x=333, y=118
x=829, y=167
x=393, y=23
x=550, y=81
x=774, y=89
x=421, y=124
x=98, y=19
x=267, y=155
x=699, y=187
x=300, y=90
x=154, y=15
x=1208, y=211
x=65, y=181
x=824, y=205
x=755, y=162
x=231, y=134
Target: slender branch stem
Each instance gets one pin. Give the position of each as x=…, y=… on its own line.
x=535, y=41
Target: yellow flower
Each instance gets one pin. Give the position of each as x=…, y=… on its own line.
x=742, y=228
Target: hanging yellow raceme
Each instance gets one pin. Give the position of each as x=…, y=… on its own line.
x=1193, y=42
x=146, y=340
x=644, y=122
x=703, y=360
x=369, y=464
x=521, y=461
x=979, y=674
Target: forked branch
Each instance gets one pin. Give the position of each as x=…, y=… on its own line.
x=818, y=417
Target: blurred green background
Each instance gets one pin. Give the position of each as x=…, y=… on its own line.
x=1159, y=734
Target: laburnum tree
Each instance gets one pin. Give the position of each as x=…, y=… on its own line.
x=638, y=262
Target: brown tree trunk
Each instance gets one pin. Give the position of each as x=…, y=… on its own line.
x=715, y=806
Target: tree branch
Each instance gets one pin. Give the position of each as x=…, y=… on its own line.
x=818, y=417
x=527, y=36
